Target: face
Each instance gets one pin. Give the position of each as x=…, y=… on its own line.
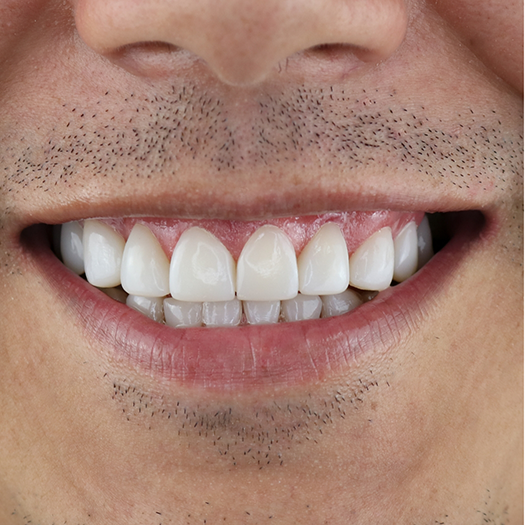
x=208, y=161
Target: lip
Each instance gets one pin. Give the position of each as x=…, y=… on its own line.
x=250, y=358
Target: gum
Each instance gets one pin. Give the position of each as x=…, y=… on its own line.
x=355, y=226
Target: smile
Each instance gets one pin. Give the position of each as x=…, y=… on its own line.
x=248, y=305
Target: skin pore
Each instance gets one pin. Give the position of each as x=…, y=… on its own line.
x=422, y=427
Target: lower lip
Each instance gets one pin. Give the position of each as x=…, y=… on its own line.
x=252, y=357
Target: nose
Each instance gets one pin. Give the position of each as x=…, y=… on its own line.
x=243, y=40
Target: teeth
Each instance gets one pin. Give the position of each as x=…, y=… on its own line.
x=145, y=267
x=262, y=312
x=222, y=313
x=302, y=307
x=149, y=306
x=267, y=267
x=372, y=264
x=405, y=253
x=103, y=248
x=201, y=269
x=203, y=277
x=323, y=264
x=424, y=243
x=340, y=303
x=71, y=246
x=182, y=313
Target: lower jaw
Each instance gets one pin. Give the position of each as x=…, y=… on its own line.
x=258, y=357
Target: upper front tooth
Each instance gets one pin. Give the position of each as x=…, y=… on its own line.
x=201, y=269
x=145, y=267
x=405, y=248
x=372, y=264
x=323, y=263
x=103, y=248
x=424, y=242
x=267, y=267
x=71, y=246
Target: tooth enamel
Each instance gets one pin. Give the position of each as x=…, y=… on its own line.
x=368, y=295
x=323, y=263
x=145, y=267
x=340, y=303
x=372, y=264
x=182, y=313
x=116, y=293
x=201, y=268
x=267, y=267
x=262, y=312
x=103, y=248
x=424, y=243
x=149, y=306
x=222, y=313
x=71, y=247
x=405, y=252
x=302, y=307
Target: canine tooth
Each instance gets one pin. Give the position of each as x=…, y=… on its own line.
x=323, y=263
x=71, y=247
x=262, y=312
x=340, y=303
x=103, y=248
x=222, y=313
x=145, y=267
x=182, y=313
x=424, y=243
x=267, y=267
x=405, y=252
x=149, y=306
x=302, y=307
x=372, y=264
x=116, y=293
x=201, y=268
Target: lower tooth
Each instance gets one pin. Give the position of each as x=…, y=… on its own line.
x=222, y=313
x=182, y=313
x=262, y=312
x=149, y=306
x=340, y=303
x=302, y=307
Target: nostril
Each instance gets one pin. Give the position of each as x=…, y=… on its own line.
x=151, y=59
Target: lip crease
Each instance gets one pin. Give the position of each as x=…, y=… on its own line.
x=250, y=358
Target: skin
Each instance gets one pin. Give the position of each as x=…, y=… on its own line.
x=432, y=431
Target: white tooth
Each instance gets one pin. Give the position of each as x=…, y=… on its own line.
x=71, y=247
x=323, y=263
x=340, y=303
x=424, y=243
x=405, y=252
x=262, y=312
x=103, y=249
x=267, y=267
x=149, y=306
x=201, y=269
x=302, y=307
x=145, y=267
x=372, y=264
x=222, y=313
x=116, y=293
x=182, y=313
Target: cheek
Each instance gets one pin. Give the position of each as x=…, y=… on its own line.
x=492, y=30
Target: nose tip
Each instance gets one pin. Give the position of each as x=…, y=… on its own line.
x=243, y=40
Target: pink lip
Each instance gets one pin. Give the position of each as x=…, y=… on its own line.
x=253, y=357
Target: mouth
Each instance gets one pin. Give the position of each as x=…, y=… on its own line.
x=222, y=305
